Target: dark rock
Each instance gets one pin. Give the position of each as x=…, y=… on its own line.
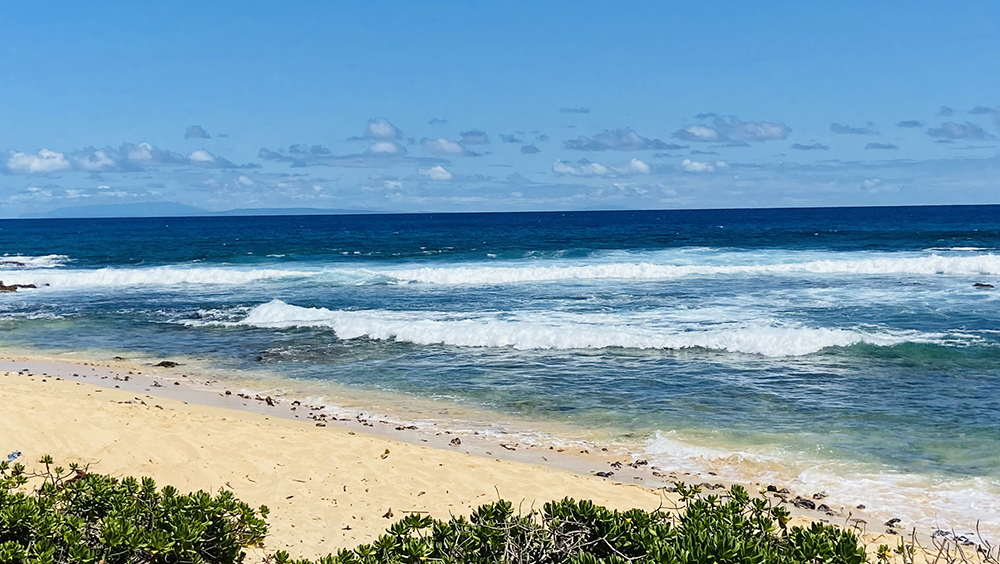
x=772, y=488
x=14, y=287
x=823, y=507
x=456, y=442
x=862, y=506
x=803, y=503
x=892, y=522
x=784, y=491
x=819, y=495
x=604, y=474
x=983, y=285
x=616, y=465
x=167, y=364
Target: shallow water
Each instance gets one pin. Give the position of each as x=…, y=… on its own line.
x=812, y=345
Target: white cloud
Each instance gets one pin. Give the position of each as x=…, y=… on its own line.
x=635, y=166
x=734, y=130
x=435, y=173
x=44, y=161
x=442, y=146
x=94, y=161
x=582, y=168
x=877, y=186
x=624, y=139
x=687, y=165
x=381, y=129
x=392, y=184
x=384, y=148
x=585, y=168
x=245, y=181
x=201, y=156
x=701, y=133
x=141, y=152
x=758, y=130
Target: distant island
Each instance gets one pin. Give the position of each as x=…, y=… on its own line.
x=174, y=209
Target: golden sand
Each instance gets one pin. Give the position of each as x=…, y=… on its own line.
x=326, y=488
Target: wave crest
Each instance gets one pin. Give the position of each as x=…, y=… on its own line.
x=27, y=262
x=38, y=270
x=155, y=276
x=555, y=331
x=930, y=265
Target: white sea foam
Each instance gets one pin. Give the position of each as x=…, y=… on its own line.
x=40, y=271
x=675, y=454
x=922, y=500
x=155, y=276
x=24, y=261
x=988, y=265
x=937, y=249
x=551, y=330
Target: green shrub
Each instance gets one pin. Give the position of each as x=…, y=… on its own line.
x=76, y=517
x=89, y=518
x=710, y=530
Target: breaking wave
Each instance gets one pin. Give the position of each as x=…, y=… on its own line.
x=27, y=262
x=156, y=276
x=984, y=265
x=526, y=331
x=38, y=270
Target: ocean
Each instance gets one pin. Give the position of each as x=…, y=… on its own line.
x=845, y=350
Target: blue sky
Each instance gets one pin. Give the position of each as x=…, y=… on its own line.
x=493, y=106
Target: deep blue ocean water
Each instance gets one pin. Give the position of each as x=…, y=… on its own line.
x=809, y=343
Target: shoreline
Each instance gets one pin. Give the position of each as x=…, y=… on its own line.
x=132, y=389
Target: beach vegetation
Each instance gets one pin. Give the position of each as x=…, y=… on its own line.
x=58, y=515
x=735, y=527
x=78, y=517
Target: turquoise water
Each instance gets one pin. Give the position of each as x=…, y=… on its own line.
x=813, y=344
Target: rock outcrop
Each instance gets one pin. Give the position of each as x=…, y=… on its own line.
x=14, y=287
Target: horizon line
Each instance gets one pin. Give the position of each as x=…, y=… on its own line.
x=356, y=213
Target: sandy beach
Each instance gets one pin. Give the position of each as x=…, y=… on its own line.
x=326, y=488
x=329, y=484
